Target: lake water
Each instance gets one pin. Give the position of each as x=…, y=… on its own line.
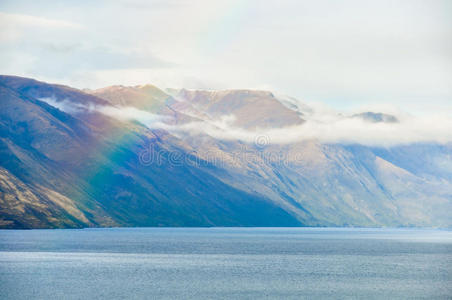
x=225, y=263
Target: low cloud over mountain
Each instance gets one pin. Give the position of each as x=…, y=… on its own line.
x=143, y=156
x=246, y=114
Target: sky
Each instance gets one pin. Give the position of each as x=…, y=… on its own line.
x=345, y=54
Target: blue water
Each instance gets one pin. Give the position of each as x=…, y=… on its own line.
x=225, y=263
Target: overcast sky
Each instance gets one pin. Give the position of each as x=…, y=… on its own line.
x=346, y=54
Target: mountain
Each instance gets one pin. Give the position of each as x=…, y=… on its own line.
x=251, y=109
x=147, y=97
x=143, y=156
x=63, y=170
x=376, y=117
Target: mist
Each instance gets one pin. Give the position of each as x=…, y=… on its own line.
x=321, y=123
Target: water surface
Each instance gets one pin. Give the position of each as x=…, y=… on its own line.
x=224, y=263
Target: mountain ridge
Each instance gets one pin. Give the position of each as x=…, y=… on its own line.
x=85, y=167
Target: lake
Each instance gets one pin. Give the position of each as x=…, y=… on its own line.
x=225, y=263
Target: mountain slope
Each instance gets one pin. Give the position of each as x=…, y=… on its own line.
x=67, y=162
x=251, y=109
x=94, y=170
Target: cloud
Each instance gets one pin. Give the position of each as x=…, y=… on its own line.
x=65, y=51
x=123, y=113
x=343, y=130
x=131, y=113
x=325, y=128
x=344, y=54
x=14, y=20
x=15, y=26
x=322, y=124
x=66, y=105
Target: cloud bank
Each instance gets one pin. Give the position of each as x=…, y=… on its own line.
x=323, y=125
x=343, y=130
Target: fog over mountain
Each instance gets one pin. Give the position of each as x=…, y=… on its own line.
x=144, y=156
x=245, y=114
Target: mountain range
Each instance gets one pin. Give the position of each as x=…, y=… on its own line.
x=145, y=156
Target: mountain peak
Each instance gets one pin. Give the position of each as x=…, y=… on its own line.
x=373, y=117
x=146, y=97
x=252, y=108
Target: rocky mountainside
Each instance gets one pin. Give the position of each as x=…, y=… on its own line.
x=142, y=156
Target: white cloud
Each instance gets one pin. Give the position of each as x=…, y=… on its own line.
x=8, y=19
x=322, y=123
x=15, y=26
x=124, y=113
x=342, y=53
x=437, y=129
x=66, y=105
x=131, y=113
